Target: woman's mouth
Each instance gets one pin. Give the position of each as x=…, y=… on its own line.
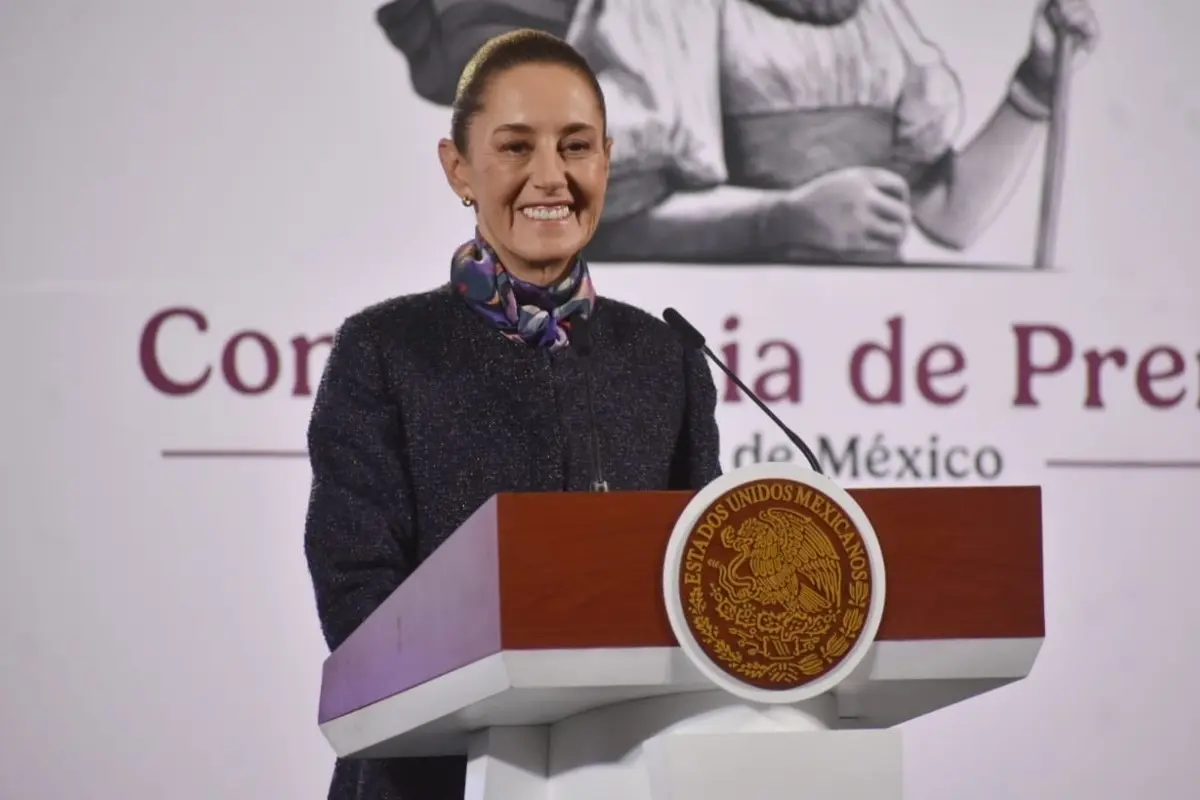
x=556, y=213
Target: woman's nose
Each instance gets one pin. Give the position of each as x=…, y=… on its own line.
x=549, y=169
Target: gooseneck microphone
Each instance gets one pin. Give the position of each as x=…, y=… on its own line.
x=581, y=341
x=694, y=340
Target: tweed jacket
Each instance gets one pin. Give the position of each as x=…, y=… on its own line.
x=424, y=411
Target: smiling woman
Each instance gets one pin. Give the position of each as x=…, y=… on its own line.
x=431, y=403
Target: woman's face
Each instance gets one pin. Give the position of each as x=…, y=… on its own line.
x=536, y=167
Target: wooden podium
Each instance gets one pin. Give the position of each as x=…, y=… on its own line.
x=536, y=641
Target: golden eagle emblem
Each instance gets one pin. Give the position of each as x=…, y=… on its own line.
x=774, y=593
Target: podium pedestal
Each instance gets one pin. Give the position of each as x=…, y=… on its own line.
x=692, y=746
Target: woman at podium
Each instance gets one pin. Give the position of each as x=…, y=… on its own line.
x=512, y=376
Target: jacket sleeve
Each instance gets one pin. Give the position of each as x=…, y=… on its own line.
x=359, y=528
x=697, y=459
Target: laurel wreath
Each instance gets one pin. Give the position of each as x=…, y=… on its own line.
x=817, y=656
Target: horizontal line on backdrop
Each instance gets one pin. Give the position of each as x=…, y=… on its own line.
x=241, y=453
x=784, y=263
x=1101, y=463
x=1052, y=463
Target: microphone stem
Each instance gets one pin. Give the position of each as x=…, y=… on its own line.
x=598, y=482
x=796, y=440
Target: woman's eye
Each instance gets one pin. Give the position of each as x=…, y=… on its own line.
x=515, y=147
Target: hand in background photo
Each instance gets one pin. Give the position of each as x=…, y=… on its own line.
x=855, y=212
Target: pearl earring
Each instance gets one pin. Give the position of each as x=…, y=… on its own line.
x=468, y=202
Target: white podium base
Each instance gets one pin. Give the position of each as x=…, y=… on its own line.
x=692, y=746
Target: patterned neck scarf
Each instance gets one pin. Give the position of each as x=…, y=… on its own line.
x=526, y=312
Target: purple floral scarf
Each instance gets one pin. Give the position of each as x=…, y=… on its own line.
x=537, y=315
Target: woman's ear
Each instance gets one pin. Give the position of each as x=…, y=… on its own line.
x=454, y=164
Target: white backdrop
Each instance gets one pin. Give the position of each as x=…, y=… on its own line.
x=266, y=164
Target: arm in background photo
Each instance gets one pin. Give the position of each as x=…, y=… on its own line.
x=960, y=198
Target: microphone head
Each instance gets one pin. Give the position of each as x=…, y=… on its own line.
x=691, y=337
x=580, y=334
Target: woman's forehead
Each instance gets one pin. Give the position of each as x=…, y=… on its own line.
x=537, y=95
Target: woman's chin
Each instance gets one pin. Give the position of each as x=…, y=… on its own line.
x=549, y=246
